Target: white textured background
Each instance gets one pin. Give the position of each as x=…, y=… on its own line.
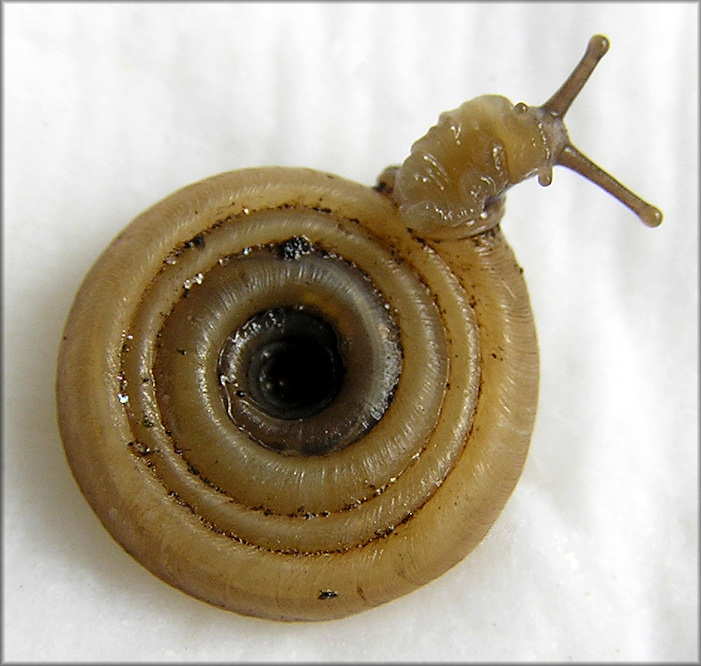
x=109, y=108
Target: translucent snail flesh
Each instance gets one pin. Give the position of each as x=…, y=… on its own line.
x=297, y=397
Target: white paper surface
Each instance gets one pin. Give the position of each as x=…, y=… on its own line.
x=109, y=108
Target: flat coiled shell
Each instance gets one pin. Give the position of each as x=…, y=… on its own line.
x=206, y=501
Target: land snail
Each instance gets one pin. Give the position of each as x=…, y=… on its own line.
x=296, y=397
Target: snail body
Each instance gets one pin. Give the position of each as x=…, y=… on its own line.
x=310, y=396
x=467, y=160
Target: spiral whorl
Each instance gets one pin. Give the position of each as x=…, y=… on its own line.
x=279, y=400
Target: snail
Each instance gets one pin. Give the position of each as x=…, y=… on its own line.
x=296, y=397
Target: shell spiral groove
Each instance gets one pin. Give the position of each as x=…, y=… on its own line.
x=204, y=495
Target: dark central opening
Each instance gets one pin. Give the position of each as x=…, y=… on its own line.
x=294, y=367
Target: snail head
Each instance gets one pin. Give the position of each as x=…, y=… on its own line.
x=556, y=147
x=458, y=172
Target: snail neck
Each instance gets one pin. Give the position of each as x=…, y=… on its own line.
x=488, y=222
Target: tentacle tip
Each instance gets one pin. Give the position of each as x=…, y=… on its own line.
x=651, y=216
x=545, y=176
x=598, y=45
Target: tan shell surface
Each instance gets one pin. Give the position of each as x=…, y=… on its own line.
x=277, y=536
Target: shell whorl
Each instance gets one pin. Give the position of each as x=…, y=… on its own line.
x=217, y=508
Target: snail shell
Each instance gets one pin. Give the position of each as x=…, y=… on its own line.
x=411, y=482
x=283, y=399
